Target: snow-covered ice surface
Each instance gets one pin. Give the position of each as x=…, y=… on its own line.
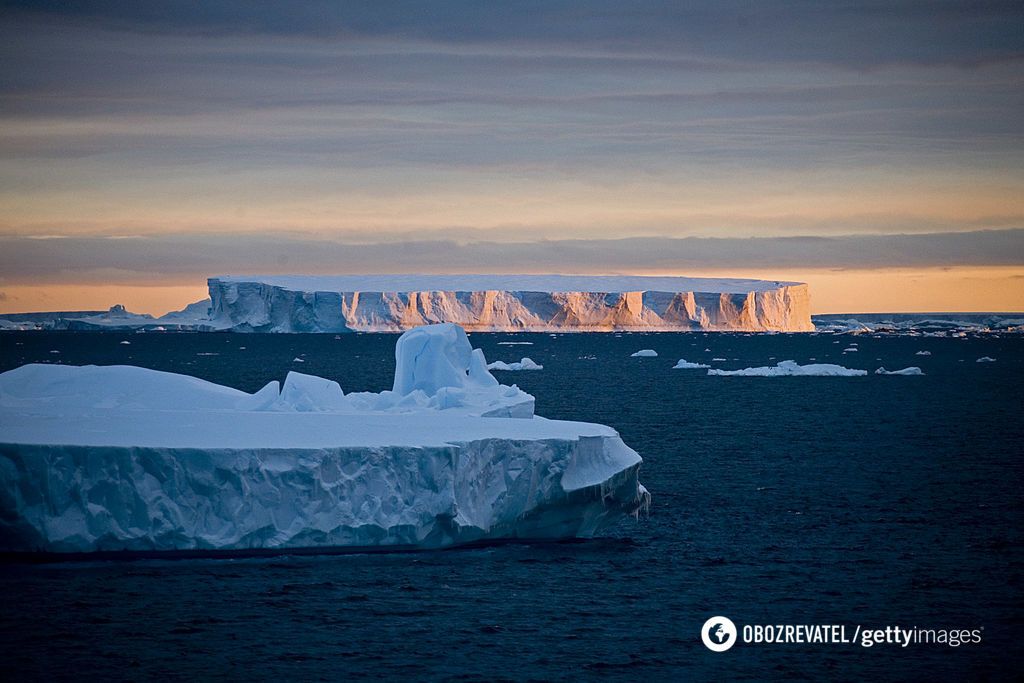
x=644, y=353
x=904, y=371
x=384, y=303
x=684, y=364
x=788, y=368
x=524, y=364
x=124, y=458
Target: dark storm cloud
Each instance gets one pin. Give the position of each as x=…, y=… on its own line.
x=99, y=260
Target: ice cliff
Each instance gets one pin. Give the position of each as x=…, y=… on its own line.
x=123, y=458
x=387, y=303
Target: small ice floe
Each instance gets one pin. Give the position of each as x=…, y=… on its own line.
x=684, y=364
x=241, y=348
x=208, y=353
x=644, y=353
x=983, y=359
x=56, y=351
x=510, y=343
x=788, y=368
x=719, y=360
x=904, y=371
x=923, y=353
x=298, y=360
x=707, y=350
x=524, y=364
x=850, y=349
x=125, y=343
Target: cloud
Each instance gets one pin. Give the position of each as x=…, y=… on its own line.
x=197, y=256
x=858, y=35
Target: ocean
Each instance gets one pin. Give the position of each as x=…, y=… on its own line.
x=875, y=501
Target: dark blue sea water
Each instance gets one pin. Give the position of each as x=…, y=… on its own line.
x=880, y=501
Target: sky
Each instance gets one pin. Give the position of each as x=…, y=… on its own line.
x=872, y=149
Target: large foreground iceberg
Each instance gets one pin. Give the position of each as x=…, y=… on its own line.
x=538, y=303
x=127, y=459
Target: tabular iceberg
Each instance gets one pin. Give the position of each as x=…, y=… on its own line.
x=127, y=459
x=537, y=303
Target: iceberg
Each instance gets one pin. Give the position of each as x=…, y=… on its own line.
x=524, y=364
x=505, y=303
x=126, y=459
x=904, y=371
x=644, y=353
x=788, y=368
x=684, y=364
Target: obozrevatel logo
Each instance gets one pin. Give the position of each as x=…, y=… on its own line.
x=718, y=633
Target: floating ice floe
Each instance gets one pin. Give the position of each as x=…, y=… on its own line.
x=850, y=349
x=684, y=364
x=524, y=364
x=788, y=368
x=904, y=371
x=515, y=343
x=985, y=359
x=923, y=353
x=121, y=458
x=644, y=353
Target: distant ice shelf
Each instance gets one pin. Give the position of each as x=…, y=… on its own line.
x=509, y=303
x=121, y=458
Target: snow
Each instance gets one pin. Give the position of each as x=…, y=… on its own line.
x=126, y=458
x=985, y=359
x=644, y=353
x=684, y=364
x=904, y=371
x=509, y=283
x=524, y=364
x=788, y=368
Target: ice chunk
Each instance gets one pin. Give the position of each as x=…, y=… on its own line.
x=431, y=357
x=904, y=371
x=307, y=393
x=524, y=364
x=985, y=359
x=644, y=353
x=684, y=364
x=112, y=386
x=923, y=353
x=788, y=368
